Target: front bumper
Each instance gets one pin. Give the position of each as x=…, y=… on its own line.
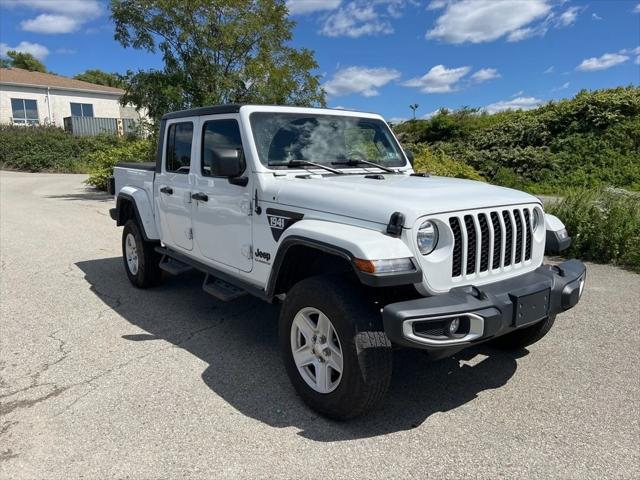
x=485, y=312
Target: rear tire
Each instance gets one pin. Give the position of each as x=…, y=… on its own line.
x=141, y=261
x=355, y=325
x=524, y=337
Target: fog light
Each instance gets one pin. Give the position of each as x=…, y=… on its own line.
x=454, y=325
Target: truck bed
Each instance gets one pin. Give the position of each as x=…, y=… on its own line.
x=150, y=166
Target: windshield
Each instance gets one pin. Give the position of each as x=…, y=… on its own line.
x=284, y=137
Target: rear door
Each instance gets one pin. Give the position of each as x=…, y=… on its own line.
x=222, y=222
x=173, y=184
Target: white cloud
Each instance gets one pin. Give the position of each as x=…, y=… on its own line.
x=568, y=17
x=479, y=21
x=485, y=74
x=304, y=7
x=603, y=62
x=397, y=119
x=595, y=16
x=437, y=4
x=355, y=20
x=637, y=9
x=519, y=93
x=362, y=80
x=59, y=16
x=429, y=115
x=439, y=79
x=564, y=86
x=519, y=103
x=35, y=49
x=48, y=23
x=551, y=69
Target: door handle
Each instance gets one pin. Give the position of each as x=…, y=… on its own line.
x=167, y=190
x=203, y=197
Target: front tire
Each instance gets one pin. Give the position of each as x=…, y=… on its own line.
x=335, y=351
x=141, y=261
x=526, y=336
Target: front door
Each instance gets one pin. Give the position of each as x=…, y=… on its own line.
x=174, y=184
x=222, y=221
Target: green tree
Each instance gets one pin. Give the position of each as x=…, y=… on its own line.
x=23, y=60
x=100, y=77
x=214, y=52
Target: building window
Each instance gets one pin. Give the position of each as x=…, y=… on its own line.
x=25, y=111
x=81, y=110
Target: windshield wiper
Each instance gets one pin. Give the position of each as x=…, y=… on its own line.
x=355, y=163
x=300, y=163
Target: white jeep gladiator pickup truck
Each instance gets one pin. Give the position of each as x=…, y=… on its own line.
x=321, y=211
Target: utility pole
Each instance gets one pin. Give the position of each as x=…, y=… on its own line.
x=414, y=107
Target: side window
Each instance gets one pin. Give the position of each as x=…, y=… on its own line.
x=218, y=135
x=178, y=154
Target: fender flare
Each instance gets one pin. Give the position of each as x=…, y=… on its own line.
x=348, y=242
x=142, y=210
x=557, y=238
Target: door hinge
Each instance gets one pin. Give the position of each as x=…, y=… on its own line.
x=189, y=233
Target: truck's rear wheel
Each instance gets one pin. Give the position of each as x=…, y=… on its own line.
x=525, y=336
x=141, y=261
x=334, y=347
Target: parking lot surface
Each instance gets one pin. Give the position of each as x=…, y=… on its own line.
x=100, y=380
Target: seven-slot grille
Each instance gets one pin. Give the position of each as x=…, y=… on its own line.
x=490, y=240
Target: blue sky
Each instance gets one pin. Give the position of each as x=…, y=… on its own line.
x=383, y=55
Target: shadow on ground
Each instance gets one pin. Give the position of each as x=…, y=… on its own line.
x=87, y=194
x=238, y=341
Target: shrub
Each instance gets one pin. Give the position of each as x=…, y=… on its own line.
x=438, y=163
x=49, y=149
x=102, y=161
x=591, y=141
x=604, y=225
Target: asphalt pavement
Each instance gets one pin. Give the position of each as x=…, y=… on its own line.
x=99, y=380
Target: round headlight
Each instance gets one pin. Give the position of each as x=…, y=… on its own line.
x=537, y=217
x=427, y=237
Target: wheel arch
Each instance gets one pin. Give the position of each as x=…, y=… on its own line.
x=313, y=247
x=133, y=203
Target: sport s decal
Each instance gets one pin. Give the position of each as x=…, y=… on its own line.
x=280, y=220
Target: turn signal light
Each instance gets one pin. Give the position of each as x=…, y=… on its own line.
x=394, y=265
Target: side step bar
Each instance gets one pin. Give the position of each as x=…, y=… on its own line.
x=221, y=290
x=218, y=283
x=173, y=266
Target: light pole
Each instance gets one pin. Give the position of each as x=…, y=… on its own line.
x=414, y=107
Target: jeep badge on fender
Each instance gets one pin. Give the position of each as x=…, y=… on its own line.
x=363, y=255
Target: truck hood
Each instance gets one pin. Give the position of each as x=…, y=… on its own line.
x=375, y=200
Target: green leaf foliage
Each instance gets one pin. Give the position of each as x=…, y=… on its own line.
x=101, y=162
x=51, y=149
x=100, y=77
x=604, y=225
x=215, y=52
x=592, y=140
x=23, y=60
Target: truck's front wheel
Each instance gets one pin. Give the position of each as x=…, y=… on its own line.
x=141, y=261
x=334, y=347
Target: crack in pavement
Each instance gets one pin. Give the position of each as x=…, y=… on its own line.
x=8, y=407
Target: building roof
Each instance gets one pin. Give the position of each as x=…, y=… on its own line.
x=18, y=76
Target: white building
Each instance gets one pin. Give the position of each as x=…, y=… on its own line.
x=46, y=99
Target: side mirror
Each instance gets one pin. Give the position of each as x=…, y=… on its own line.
x=409, y=155
x=225, y=162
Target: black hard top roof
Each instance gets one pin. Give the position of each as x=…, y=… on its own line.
x=222, y=109
x=195, y=112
